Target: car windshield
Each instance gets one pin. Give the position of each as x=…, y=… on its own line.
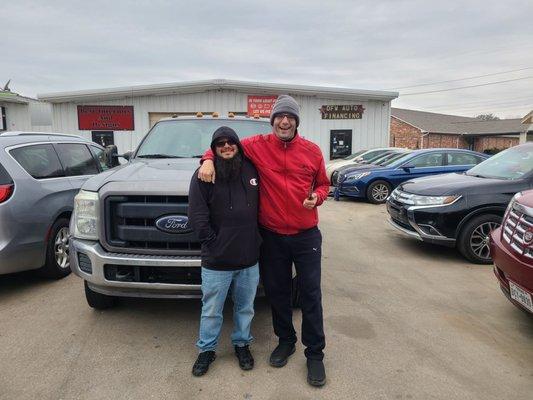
x=190, y=138
x=392, y=158
x=512, y=163
x=352, y=156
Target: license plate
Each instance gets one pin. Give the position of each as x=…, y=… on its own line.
x=521, y=296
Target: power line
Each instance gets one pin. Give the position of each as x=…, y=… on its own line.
x=486, y=103
x=466, y=87
x=461, y=79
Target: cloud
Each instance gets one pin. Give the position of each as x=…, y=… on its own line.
x=71, y=45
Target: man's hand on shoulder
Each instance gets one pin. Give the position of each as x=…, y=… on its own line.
x=310, y=203
x=206, y=173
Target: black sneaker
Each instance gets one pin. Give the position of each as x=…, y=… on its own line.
x=201, y=364
x=316, y=373
x=281, y=354
x=246, y=361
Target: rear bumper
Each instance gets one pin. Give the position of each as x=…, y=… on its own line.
x=99, y=258
x=507, y=266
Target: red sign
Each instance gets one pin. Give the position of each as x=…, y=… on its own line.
x=109, y=118
x=260, y=105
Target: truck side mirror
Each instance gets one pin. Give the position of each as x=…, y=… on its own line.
x=127, y=155
x=111, y=156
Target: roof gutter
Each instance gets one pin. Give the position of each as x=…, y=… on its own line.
x=215, y=84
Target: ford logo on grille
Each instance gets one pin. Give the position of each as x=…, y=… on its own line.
x=173, y=224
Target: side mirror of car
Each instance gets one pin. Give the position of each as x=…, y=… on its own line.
x=408, y=167
x=111, y=156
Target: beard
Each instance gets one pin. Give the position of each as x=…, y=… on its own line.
x=228, y=169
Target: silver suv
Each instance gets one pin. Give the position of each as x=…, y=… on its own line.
x=40, y=173
x=130, y=232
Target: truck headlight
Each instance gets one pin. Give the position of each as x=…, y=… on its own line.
x=357, y=176
x=433, y=200
x=85, y=215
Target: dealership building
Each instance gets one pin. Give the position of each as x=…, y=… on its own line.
x=339, y=120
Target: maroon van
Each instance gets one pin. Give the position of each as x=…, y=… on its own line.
x=511, y=247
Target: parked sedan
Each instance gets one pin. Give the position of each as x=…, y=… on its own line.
x=385, y=159
x=377, y=183
x=360, y=157
x=511, y=247
x=460, y=210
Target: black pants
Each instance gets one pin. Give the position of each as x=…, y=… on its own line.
x=278, y=253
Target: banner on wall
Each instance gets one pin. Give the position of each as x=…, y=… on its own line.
x=260, y=105
x=112, y=118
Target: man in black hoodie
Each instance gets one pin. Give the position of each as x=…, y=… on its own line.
x=224, y=216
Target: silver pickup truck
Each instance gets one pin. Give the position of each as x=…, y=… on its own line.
x=129, y=230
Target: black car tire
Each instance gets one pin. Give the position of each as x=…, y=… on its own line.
x=473, y=239
x=378, y=191
x=57, y=242
x=97, y=300
x=295, y=293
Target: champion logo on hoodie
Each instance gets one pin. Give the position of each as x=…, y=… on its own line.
x=253, y=182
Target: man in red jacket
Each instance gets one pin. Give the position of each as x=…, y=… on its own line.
x=292, y=183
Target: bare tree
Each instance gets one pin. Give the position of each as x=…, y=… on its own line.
x=487, y=117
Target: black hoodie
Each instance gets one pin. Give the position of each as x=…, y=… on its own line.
x=224, y=214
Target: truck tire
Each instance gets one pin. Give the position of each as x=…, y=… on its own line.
x=473, y=241
x=97, y=300
x=378, y=191
x=57, y=264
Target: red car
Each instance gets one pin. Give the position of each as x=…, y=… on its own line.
x=511, y=247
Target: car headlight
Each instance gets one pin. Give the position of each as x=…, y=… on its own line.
x=433, y=200
x=357, y=176
x=85, y=215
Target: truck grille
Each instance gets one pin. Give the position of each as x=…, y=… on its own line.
x=514, y=231
x=130, y=225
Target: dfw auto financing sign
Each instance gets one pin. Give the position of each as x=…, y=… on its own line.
x=260, y=105
x=109, y=118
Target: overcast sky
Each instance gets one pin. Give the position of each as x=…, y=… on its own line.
x=73, y=45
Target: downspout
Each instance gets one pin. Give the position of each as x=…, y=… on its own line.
x=424, y=134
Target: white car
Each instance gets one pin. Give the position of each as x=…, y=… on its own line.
x=360, y=157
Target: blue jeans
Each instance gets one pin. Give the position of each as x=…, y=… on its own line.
x=215, y=286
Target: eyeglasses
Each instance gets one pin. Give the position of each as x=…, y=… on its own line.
x=290, y=117
x=222, y=143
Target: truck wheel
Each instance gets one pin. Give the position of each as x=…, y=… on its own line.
x=295, y=293
x=57, y=263
x=97, y=300
x=473, y=240
x=378, y=192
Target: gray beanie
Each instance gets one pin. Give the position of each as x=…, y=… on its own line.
x=285, y=104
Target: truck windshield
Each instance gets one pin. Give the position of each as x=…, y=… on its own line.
x=512, y=163
x=191, y=138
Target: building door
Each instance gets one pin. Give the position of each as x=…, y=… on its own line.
x=340, y=143
x=103, y=138
x=3, y=122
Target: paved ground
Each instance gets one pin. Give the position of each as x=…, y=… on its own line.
x=403, y=320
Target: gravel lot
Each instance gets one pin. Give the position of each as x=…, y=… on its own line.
x=404, y=320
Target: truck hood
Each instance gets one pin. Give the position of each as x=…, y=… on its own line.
x=456, y=183
x=157, y=174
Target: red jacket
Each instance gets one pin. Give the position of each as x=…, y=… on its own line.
x=287, y=170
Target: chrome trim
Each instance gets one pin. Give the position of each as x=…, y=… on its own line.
x=406, y=231
x=99, y=257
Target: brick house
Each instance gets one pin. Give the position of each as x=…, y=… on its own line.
x=421, y=130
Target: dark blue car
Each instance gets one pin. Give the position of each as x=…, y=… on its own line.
x=377, y=182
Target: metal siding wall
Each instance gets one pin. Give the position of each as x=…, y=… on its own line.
x=370, y=131
x=17, y=117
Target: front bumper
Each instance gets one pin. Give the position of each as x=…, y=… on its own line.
x=422, y=226
x=99, y=258
x=508, y=266
x=355, y=189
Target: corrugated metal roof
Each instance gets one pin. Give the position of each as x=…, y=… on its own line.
x=455, y=124
x=214, y=84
